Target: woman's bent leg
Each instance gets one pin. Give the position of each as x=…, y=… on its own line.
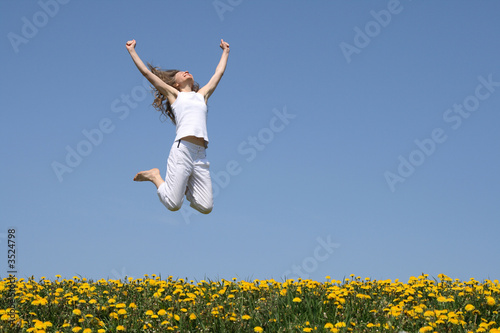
x=179, y=167
x=200, y=193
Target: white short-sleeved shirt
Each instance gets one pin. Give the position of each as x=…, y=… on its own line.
x=190, y=112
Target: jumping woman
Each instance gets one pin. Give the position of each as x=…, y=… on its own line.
x=179, y=97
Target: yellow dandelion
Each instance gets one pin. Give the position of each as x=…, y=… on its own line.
x=328, y=325
x=120, y=328
x=297, y=300
x=469, y=307
x=76, y=329
x=429, y=313
x=39, y=325
x=192, y=316
x=307, y=329
x=122, y=312
x=490, y=301
x=87, y=330
x=258, y=329
x=77, y=312
x=162, y=312
x=245, y=317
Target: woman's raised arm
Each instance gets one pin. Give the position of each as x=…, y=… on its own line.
x=169, y=91
x=209, y=88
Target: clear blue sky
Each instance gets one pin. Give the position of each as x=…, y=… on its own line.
x=346, y=137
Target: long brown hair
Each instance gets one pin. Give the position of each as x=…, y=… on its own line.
x=161, y=102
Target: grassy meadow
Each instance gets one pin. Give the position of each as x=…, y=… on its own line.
x=153, y=304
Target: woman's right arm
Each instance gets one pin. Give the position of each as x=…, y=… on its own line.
x=165, y=89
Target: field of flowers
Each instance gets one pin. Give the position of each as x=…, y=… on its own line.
x=151, y=304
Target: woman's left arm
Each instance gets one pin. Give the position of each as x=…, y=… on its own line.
x=209, y=88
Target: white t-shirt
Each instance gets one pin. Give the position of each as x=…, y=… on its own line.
x=190, y=113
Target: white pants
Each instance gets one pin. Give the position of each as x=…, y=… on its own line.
x=187, y=174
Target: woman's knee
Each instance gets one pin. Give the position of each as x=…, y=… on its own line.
x=203, y=209
x=173, y=207
x=170, y=200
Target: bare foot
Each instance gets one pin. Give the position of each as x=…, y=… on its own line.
x=152, y=175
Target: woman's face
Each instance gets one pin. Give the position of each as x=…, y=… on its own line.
x=183, y=77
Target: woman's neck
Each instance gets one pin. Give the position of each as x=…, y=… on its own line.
x=186, y=89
